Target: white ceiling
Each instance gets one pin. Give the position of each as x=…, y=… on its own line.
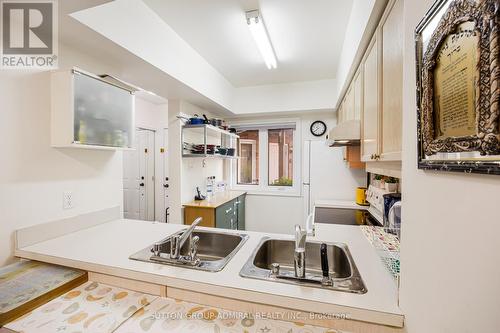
x=307, y=36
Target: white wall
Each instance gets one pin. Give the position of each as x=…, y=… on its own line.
x=286, y=97
x=33, y=175
x=273, y=213
x=151, y=115
x=450, y=245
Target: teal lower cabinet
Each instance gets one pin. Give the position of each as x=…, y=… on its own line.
x=231, y=215
x=225, y=216
x=240, y=211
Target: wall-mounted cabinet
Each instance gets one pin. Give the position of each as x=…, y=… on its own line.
x=371, y=110
x=374, y=95
x=88, y=112
x=392, y=83
x=350, y=108
x=383, y=81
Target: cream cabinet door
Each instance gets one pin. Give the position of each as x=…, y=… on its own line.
x=392, y=78
x=370, y=114
x=340, y=113
x=358, y=95
x=350, y=103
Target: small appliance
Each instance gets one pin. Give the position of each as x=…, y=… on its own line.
x=361, y=196
x=375, y=196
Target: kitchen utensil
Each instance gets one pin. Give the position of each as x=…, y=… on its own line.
x=199, y=196
x=222, y=151
x=196, y=120
x=207, y=121
x=185, y=119
x=361, y=196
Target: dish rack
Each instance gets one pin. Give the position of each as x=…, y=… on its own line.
x=386, y=243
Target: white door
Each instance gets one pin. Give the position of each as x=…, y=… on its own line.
x=138, y=178
x=131, y=181
x=165, y=180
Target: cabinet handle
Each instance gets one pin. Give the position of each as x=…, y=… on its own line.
x=229, y=210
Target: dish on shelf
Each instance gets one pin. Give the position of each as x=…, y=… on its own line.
x=222, y=151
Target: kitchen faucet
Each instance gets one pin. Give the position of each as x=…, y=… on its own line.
x=300, y=252
x=178, y=241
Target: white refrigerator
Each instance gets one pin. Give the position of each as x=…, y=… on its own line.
x=326, y=176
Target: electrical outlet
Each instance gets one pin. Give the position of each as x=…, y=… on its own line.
x=68, y=200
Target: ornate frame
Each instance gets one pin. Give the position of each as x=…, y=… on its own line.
x=486, y=141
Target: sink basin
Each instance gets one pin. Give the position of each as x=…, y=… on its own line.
x=342, y=269
x=215, y=250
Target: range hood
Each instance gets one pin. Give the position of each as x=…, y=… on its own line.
x=347, y=133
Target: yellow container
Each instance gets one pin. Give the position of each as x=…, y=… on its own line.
x=361, y=196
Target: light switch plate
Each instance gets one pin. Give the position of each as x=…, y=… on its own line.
x=68, y=200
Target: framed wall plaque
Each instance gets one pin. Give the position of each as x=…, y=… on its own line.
x=458, y=93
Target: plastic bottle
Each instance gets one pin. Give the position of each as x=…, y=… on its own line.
x=82, y=132
x=210, y=186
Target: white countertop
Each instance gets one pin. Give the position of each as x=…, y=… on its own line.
x=105, y=248
x=347, y=204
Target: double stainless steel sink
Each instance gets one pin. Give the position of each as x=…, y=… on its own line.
x=272, y=260
x=272, y=253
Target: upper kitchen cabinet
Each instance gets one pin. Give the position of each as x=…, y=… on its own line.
x=89, y=112
x=358, y=94
x=370, y=112
x=392, y=77
x=349, y=108
x=383, y=82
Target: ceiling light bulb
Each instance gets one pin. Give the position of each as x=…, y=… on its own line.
x=259, y=34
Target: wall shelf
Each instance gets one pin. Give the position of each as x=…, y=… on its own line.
x=210, y=156
x=212, y=129
x=203, y=141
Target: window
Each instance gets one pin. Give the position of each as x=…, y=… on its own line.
x=248, y=163
x=268, y=158
x=280, y=160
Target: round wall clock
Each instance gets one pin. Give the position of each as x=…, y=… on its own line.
x=318, y=128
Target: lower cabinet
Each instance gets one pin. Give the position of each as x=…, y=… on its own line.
x=240, y=211
x=230, y=215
